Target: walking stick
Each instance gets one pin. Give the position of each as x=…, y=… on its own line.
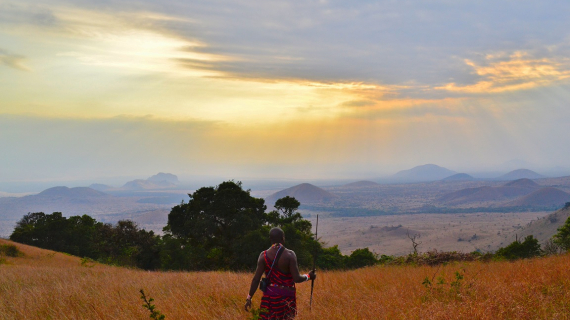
x=314, y=265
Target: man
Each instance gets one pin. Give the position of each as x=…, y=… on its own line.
x=279, y=299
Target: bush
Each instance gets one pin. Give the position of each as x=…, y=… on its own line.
x=10, y=250
x=360, y=258
x=331, y=259
x=518, y=250
x=562, y=238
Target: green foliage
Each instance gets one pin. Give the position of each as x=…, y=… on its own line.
x=217, y=220
x=384, y=259
x=87, y=262
x=518, y=250
x=562, y=238
x=56, y=232
x=224, y=227
x=439, y=289
x=123, y=244
x=298, y=235
x=220, y=228
x=287, y=206
x=256, y=313
x=126, y=244
x=154, y=314
x=331, y=258
x=10, y=250
x=361, y=258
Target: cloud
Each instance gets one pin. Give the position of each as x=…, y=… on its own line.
x=518, y=71
x=15, y=61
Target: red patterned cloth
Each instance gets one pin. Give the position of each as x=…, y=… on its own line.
x=281, y=304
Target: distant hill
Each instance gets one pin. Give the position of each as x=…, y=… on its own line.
x=427, y=172
x=164, y=177
x=363, y=183
x=520, y=174
x=305, y=193
x=80, y=200
x=75, y=193
x=508, y=191
x=101, y=187
x=139, y=185
x=544, y=197
x=158, y=181
x=459, y=177
x=522, y=183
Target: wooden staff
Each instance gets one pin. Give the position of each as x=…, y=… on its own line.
x=314, y=264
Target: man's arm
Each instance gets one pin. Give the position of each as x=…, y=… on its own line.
x=294, y=268
x=255, y=280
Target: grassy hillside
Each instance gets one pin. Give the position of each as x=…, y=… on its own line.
x=543, y=229
x=48, y=285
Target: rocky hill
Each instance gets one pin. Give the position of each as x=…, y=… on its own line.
x=520, y=174
x=487, y=194
x=544, y=197
x=75, y=193
x=427, y=172
x=305, y=193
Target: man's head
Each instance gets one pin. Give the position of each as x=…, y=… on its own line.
x=276, y=235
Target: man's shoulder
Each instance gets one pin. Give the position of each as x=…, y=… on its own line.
x=289, y=252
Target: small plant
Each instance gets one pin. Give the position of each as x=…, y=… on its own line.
x=444, y=291
x=255, y=313
x=87, y=262
x=456, y=284
x=10, y=250
x=154, y=314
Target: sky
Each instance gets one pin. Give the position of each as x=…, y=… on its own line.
x=280, y=89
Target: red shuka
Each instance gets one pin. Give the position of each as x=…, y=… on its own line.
x=281, y=304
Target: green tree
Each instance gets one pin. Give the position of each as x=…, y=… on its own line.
x=562, y=238
x=127, y=245
x=298, y=234
x=287, y=206
x=56, y=232
x=331, y=259
x=216, y=221
x=361, y=258
x=519, y=250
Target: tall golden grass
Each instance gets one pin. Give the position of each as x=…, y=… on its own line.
x=48, y=285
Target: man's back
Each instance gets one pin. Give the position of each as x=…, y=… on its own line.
x=279, y=298
x=284, y=263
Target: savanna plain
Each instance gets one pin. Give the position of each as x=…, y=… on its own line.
x=43, y=284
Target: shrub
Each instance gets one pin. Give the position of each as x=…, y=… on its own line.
x=361, y=258
x=331, y=259
x=562, y=238
x=10, y=250
x=518, y=250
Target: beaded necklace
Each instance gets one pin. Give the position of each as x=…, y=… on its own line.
x=276, y=245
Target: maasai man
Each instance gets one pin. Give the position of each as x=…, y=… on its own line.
x=279, y=300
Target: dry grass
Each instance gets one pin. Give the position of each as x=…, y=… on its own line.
x=43, y=285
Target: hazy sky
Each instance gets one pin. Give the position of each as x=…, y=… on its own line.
x=93, y=89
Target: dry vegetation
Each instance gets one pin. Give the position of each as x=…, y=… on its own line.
x=47, y=285
x=449, y=232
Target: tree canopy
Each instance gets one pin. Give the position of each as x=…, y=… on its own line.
x=219, y=228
